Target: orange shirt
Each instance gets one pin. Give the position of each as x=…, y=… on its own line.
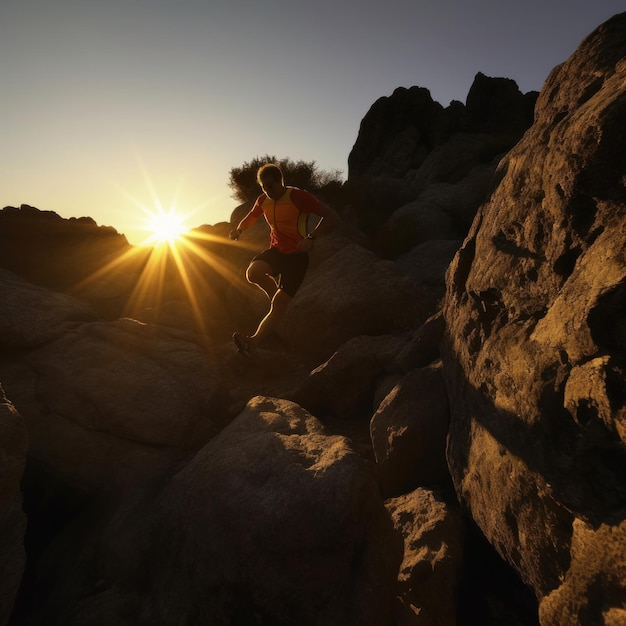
x=287, y=217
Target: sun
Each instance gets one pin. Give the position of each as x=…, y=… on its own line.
x=165, y=227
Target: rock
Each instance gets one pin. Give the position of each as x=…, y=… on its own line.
x=344, y=386
x=13, y=448
x=407, y=142
x=534, y=352
x=423, y=346
x=496, y=105
x=352, y=293
x=117, y=400
x=274, y=521
x=395, y=135
x=430, y=573
x=581, y=598
x=94, y=262
x=427, y=263
x=409, y=433
x=31, y=315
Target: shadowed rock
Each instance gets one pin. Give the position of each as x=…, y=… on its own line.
x=274, y=522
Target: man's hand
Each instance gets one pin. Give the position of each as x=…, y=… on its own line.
x=235, y=234
x=304, y=245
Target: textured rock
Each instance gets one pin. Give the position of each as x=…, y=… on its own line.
x=409, y=433
x=273, y=522
x=535, y=347
x=13, y=448
x=429, y=576
x=31, y=315
x=352, y=293
x=115, y=399
x=344, y=386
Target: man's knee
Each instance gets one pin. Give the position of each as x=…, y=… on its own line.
x=256, y=272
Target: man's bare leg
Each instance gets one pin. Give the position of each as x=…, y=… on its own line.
x=270, y=322
x=258, y=274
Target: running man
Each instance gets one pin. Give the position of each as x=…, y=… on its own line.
x=280, y=270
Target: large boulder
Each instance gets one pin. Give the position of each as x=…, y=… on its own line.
x=536, y=343
x=345, y=385
x=409, y=431
x=352, y=293
x=274, y=521
x=31, y=315
x=108, y=403
x=13, y=448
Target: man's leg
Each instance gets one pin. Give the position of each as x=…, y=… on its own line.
x=259, y=274
x=277, y=311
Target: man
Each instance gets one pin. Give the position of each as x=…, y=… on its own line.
x=279, y=270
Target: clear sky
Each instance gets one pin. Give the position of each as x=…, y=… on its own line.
x=112, y=105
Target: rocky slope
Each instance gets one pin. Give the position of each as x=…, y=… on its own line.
x=415, y=448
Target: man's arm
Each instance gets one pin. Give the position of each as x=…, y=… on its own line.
x=329, y=222
x=245, y=223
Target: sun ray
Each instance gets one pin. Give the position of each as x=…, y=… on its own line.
x=173, y=263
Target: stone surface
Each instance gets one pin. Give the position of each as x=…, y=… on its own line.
x=352, y=293
x=534, y=355
x=31, y=315
x=117, y=399
x=408, y=433
x=273, y=522
x=430, y=573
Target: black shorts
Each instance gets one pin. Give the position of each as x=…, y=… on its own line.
x=289, y=269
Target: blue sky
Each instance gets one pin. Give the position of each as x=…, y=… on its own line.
x=109, y=108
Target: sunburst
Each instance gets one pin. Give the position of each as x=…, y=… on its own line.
x=171, y=247
x=165, y=227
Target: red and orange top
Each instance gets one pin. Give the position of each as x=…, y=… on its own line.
x=287, y=217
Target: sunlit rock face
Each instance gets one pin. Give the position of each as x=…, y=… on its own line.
x=535, y=355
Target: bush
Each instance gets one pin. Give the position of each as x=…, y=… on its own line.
x=302, y=174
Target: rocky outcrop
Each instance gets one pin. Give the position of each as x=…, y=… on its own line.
x=66, y=255
x=275, y=521
x=419, y=172
x=535, y=349
x=103, y=401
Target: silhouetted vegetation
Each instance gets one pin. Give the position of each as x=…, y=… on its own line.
x=302, y=174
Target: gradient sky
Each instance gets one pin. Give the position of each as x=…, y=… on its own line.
x=109, y=106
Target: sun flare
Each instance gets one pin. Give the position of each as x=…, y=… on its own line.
x=165, y=227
